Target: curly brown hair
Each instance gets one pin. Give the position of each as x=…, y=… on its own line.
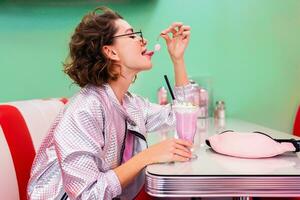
x=86, y=63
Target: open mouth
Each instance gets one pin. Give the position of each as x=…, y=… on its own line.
x=143, y=52
x=147, y=53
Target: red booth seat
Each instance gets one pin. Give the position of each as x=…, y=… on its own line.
x=23, y=124
x=296, y=130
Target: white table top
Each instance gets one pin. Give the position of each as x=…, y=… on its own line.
x=204, y=176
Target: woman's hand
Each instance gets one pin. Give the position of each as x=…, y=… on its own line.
x=169, y=150
x=178, y=41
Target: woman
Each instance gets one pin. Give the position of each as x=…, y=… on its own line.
x=96, y=148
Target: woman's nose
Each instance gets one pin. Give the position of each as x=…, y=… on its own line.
x=144, y=41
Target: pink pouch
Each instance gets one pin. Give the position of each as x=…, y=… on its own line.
x=251, y=145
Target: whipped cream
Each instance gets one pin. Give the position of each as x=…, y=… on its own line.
x=184, y=107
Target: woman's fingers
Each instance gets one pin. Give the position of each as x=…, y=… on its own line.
x=180, y=150
x=180, y=158
x=165, y=34
x=181, y=153
x=176, y=29
x=184, y=142
x=183, y=29
x=166, y=37
x=181, y=147
x=186, y=34
x=172, y=28
x=171, y=150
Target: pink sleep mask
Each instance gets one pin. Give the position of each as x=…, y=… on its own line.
x=251, y=145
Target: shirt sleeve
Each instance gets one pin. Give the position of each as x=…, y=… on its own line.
x=161, y=116
x=78, y=142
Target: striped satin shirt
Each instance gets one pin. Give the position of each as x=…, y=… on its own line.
x=87, y=140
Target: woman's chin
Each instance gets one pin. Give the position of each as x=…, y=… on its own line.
x=147, y=67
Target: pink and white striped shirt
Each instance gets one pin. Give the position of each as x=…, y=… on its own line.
x=92, y=135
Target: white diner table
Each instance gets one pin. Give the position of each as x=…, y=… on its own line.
x=216, y=175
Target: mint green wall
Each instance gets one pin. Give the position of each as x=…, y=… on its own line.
x=249, y=50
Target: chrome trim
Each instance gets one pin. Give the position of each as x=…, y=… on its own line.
x=221, y=186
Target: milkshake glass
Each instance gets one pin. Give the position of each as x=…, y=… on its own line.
x=186, y=121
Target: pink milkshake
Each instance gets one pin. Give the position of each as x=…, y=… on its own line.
x=186, y=121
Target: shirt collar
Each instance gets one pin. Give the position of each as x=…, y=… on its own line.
x=121, y=109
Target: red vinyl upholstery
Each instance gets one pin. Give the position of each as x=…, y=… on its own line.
x=296, y=130
x=23, y=125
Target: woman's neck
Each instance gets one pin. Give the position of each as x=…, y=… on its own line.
x=120, y=87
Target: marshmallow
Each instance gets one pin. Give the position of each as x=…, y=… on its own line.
x=157, y=47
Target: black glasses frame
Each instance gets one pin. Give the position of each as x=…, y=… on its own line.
x=128, y=34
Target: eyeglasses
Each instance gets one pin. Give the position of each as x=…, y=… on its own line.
x=132, y=35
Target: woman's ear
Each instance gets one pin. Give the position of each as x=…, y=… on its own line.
x=110, y=53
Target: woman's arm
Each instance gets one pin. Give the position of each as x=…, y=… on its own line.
x=166, y=151
x=78, y=143
x=161, y=116
x=157, y=116
x=177, y=44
